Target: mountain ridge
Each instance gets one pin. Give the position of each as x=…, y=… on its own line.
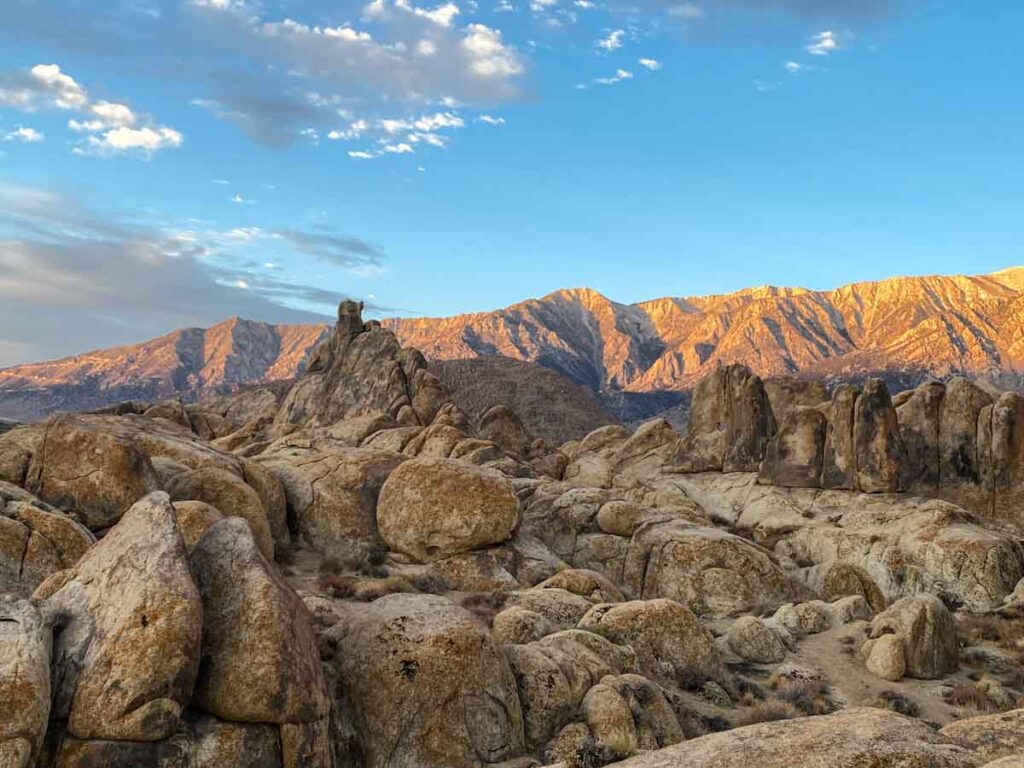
x=906, y=328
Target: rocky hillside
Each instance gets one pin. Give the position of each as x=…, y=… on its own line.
x=905, y=328
x=192, y=363
x=550, y=405
x=359, y=575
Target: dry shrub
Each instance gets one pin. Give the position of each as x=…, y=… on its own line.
x=769, y=711
x=807, y=696
x=337, y=586
x=897, y=702
x=988, y=628
x=970, y=696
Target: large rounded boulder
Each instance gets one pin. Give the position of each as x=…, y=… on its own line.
x=427, y=685
x=434, y=508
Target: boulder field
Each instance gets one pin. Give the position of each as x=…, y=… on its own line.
x=357, y=573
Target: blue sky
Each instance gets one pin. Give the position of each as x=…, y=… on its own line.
x=169, y=163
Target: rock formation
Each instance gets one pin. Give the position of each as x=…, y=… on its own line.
x=357, y=574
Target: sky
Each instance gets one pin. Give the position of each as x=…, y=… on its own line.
x=171, y=163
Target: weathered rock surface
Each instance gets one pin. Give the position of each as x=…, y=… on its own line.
x=669, y=641
x=926, y=631
x=36, y=541
x=989, y=737
x=361, y=368
x=25, y=647
x=713, y=572
x=81, y=468
x=554, y=674
x=752, y=639
x=230, y=495
x=333, y=495
x=853, y=738
x=432, y=508
x=129, y=617
x=261, y=663
x=731, y=422
x=426, y=685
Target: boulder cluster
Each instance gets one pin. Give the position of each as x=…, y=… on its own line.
x=357, y=573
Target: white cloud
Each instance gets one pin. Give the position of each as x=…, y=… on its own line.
x=793, y=66
x=442, y=15
x=361, y=155
x=398, y=149
x=618, y=77
x=538, y=6
x=585, y=5
x=823, y=43
x=651, y=64
x=112, y=125
x=490, y=120
x=613, y=41
x=113, y=114
x=44, y=86
x=146, y=140
x=489, y=56
x=24, y=135
x=686, y=11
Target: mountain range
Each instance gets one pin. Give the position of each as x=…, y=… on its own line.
x=637, y=358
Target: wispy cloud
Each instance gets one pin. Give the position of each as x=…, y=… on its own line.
x=72, y=279
x=24, y=135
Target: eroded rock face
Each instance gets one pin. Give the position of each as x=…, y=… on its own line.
x=81, y=468
x=731, y=422
x=260, y=658
x=878, y=447
x=554, y=674
x=230, y=495
x=25, y=648
x=359, y=369
x=926, y=632
x=333, y=494
x=426, y=685
x=432, y=508
x=752, y=639
x=669, y=641
x=796, y=455
x=129, y=618
x=852, y=738
x=713, y=572
x=36, y=541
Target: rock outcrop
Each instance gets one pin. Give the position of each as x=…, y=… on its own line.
x=361, y=368
x=126, y=655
